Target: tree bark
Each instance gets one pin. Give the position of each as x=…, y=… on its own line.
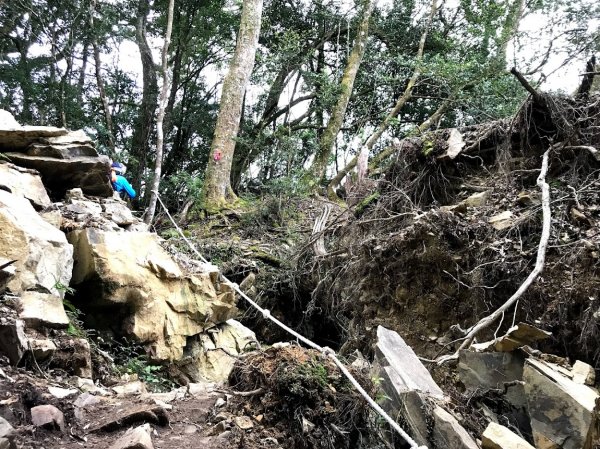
x=217, y=192
x=334, y=125
x=143, y=126
x=162, y=104
x=100, y=81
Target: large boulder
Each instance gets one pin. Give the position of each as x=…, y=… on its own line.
x=44, y=258
x=144, y=294
x=90, y=173
x=24, y=182
x=562, y=412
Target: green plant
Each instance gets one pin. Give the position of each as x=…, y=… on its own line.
x=75, y=327
x=63, y=288
x=131, y=358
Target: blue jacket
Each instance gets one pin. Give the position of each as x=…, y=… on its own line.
x=122, y=185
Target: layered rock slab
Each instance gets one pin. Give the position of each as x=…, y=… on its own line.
x=151, y=298
x=59, y=175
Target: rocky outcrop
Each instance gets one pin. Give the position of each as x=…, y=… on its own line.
x=65, y=159
x=90, y=173
x=44, y=258
x=144, y=292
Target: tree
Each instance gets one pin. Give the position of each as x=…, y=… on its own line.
x=162, y=104
x=217, y=191
x=334, y=125
x=140, y=145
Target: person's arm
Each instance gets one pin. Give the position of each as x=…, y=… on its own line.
x=130, y=192
x=128, y=189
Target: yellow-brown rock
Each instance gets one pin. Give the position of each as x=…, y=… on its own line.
x=152, y=299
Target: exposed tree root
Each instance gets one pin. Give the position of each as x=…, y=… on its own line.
x=539, y=266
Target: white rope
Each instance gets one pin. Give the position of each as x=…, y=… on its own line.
x=324, y=350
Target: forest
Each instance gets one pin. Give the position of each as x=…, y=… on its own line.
x=331, y=82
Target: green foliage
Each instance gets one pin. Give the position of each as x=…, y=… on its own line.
x=75, y=327
x=63, y=288
x=131, y=358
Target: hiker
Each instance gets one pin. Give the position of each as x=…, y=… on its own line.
x=119, y=183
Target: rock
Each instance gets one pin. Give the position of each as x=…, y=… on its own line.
x=6, y=434
x=42, y=310
x=24, y=183
x=131, y=275
x=520, y=335
x=189, y=429
x=87, y=400
x=48, y=416
x=62, y=393
x=448, y=433
x=529, y=199
x=87, y=386
x=54, y=217
x=213, y=354
x=6, y=430
x=78, y=136
x=13, y=342
x=583, y=373
x=477, y=199
x=561, y=411
x=62, y=150
x=502, y=221
x=44, y=257
x=138, y=438
x=59, y=175
x=42, y=349
x=244, y=422
x=200, y=389
x=491, y=371
x=408, y=386
x=7, y=121
x=393, y=351
x=455, y=145
x=136, y=387
x=14, y=137
x=118, y=212
x=84, y=207
x=459, y=208
x=7, y=272
x=499, y=437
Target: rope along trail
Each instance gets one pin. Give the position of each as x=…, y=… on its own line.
x=323, y=349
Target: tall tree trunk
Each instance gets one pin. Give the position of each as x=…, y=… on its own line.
x=334, y=125
x=217, y=192
x=162, y=103
x=145, y=118
x=100, y=81
x=81, y=80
